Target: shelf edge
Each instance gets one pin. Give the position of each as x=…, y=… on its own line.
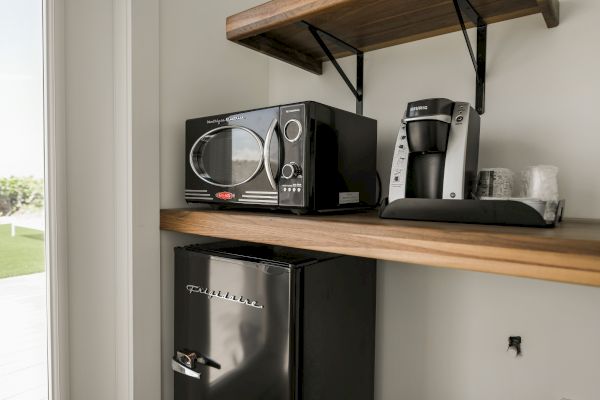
x=421, y=251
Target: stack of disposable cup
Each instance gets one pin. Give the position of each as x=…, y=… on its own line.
x=540, y=183
x=495, y=183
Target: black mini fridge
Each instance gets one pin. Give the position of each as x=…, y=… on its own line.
x=257, y=322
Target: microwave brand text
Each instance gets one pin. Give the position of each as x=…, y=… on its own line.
x=228, y=119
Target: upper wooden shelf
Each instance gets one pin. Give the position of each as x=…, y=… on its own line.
x=276, y=29
x=569, y=253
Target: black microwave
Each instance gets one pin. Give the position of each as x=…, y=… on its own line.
x=302, y=157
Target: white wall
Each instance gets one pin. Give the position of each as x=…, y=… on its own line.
x=201, y=73
x=443, y=334
x=542, y=90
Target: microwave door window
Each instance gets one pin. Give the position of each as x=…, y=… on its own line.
x=228, y=156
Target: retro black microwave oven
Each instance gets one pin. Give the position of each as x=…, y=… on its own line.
x=302, y=157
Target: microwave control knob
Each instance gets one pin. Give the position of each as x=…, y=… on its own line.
x=290, y=170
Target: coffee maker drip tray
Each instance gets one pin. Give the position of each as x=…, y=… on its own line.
x=491, y=212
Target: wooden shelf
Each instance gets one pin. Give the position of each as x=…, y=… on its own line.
x=275, y=28
x=569, y=253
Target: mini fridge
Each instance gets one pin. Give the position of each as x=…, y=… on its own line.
x=256, y=322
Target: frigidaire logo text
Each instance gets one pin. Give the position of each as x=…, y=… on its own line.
x=419, y=108
x=223, y=296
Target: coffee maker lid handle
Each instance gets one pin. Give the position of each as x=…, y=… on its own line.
x=439, y=117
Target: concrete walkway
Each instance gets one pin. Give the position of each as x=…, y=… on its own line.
x=23, y=348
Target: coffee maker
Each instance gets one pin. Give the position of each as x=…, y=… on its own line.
x=434, y=171
x=436, y=151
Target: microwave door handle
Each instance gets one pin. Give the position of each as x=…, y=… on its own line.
x=267, y=154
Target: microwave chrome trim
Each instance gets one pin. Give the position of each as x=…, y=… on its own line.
x=260, y=192
x=295, y=121
x=220, y=128
x=257, y=201
x=267, y=154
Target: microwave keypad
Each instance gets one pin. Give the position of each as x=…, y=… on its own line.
x=292, y=121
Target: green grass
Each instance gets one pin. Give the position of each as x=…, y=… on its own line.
x=22, y=254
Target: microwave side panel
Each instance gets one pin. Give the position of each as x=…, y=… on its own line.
x=357, y=160
x=344, y=148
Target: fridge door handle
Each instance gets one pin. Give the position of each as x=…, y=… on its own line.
x=267, y=154
x=182, y=369
x=185, y=362
x=202, y=359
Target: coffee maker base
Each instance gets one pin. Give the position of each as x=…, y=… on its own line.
x=489, y=212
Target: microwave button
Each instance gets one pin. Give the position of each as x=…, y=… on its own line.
x=290, y=170
x=292, y=130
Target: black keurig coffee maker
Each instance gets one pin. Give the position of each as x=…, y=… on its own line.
x=434, y=170
x=436, y=151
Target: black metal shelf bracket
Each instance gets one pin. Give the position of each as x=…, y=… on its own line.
x=479, y=61
x=357, y=91
x=463, y=7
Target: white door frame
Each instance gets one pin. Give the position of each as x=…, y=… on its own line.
x=136, y=168
x=55, y=201
x=136, y=269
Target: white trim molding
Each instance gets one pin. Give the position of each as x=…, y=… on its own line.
x=56, y=208
x=122, y=180
x=136, y=179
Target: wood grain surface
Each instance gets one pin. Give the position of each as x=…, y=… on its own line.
x=569, y=253
x=275, y=27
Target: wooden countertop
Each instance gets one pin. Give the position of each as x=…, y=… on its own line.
x=569, y=253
